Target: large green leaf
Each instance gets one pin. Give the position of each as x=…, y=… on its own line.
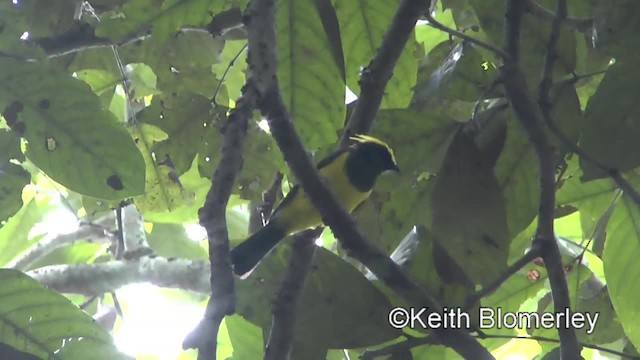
x=192, y=126
x=137, y=16
x=41, y=322
x=15, y=235
x=16, y=20
x=620, y=257
x=339, y=307
x=534, y=38
x=461, y=75
x=610, y=129
x=171, y=240
x=517, y=166
x=363, y=25
x=310, y=80
x=467, y=212
x=69, y=135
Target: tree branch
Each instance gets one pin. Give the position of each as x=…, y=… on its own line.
x=213, y=213
x=530, y=117
x=100, y=278
x=88, y=232
x=333, y=213
x=82, y=36
x=285, y=306
x=452, y=32
x=375, y=76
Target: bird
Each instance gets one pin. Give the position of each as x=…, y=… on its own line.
x=350, y=173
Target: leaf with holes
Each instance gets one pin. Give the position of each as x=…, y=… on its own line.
x=163, y=191
x=69, y=135
x=41, y=322
x=138, y=16
x=611, y=131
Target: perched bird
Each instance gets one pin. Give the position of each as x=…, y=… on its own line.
x=350, y=173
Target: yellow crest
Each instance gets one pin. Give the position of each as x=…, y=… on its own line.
x=370, y=139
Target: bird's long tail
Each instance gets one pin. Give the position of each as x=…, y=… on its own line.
x=248, y=254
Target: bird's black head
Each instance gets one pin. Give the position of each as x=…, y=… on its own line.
x=369, y=158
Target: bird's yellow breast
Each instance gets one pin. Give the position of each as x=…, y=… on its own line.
x=299, y=214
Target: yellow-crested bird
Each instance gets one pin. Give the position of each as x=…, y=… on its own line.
x=350, y=173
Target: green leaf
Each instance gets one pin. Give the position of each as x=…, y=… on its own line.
x=13, y=178
x=621, y=252
x=309, y=77
x=171, y=240
x=615, y=22
x=467, y=212
x=102, y=82
x=163, y=191
x=246, y=338
x=164, y=20
x=30, y=318
x=192, y=126
x=358, y=309
x=142, y=81
x=362, y=28
x=70, y=136
x=187, y=212
x=429, y=37
x=78, y=253
x=462, y=75
x=612, y=142
x=181, y=63
x=508, y=298
x=18, y=19
x=10, y=146
x=233, y=63
x=533, y=41
x=15, y=235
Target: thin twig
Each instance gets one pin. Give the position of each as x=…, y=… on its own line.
x=531, y=119
x=270, y=196
x=224, y=75
x=119, y=250
x=580, y=24
x=452, y=32
x=89, y=233
x=545, y=339
x=533, y=253
x=374, y=78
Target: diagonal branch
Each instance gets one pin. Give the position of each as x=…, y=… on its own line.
x=376, y=75
x=334, y=214
x=285, y=305
x=531, y=119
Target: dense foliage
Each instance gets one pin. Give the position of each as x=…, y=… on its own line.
x=110, y=103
